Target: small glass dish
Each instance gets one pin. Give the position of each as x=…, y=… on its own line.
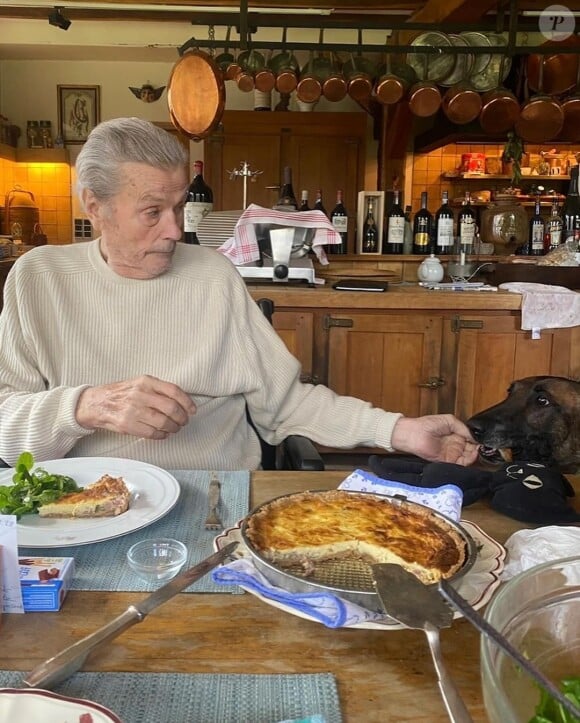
x=157, y=559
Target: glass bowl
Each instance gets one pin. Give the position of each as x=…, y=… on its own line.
x=157, y=559
x=538, y=611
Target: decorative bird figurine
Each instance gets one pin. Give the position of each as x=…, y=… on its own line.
x=147, y=93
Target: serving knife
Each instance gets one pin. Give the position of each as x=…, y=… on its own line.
x=70, y=660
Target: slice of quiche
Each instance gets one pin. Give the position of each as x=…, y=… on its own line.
x=314, y=526
x=107, y=497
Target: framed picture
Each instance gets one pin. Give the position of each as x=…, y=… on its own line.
x=78, y=111
x=376, y=201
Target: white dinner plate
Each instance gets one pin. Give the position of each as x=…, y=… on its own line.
x=476, y=586
x=154, y=492
x=35, y=705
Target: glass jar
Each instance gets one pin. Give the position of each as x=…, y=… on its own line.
x=504, y=223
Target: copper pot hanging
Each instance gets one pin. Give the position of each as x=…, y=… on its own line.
x=309, y=88
x=461, y=103
x=285, y=66
x=500, y=108
x=558, y=70
x=541, y=117
x=196, y=94
x=334, y=87
x=265, y=78
x=360, y=73
x=226, y=60
x=424, y=97
x=571, y=108
x=394, y=81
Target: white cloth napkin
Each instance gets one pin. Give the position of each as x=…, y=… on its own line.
x=243, y=247
x=333, y=611
x=545, y=306
x=528, y=548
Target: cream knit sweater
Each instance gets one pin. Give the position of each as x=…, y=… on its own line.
x=70, y=322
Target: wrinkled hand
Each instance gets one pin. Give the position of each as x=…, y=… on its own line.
x=143, y=407
x=436, y=438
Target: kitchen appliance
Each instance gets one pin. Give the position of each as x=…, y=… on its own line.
x=296, y=270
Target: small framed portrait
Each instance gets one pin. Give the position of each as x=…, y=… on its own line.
x=78, y=111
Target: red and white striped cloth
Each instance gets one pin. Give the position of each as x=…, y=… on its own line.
x=243, y=248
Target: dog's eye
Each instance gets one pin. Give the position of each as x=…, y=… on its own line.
x=543, y=401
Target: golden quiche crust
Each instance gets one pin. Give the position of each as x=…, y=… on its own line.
x=310, y=526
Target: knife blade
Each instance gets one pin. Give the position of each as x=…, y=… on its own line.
x=68, y=661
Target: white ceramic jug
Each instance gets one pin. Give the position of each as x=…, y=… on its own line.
x=430, y=269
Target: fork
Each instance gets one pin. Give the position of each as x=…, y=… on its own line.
x=212, y=521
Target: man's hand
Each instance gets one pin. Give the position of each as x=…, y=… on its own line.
x=143, y=407
x=436, y=438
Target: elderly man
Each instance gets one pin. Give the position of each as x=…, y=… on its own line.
x=139, y=346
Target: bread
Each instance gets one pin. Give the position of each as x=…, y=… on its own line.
x=107, y=497
x=312, y=526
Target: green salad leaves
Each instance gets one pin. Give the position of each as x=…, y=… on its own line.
x=549, y=710
x=32, y=488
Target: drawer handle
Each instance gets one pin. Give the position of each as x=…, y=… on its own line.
x=433, y=383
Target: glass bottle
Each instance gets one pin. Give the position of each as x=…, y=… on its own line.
x=422, y=228
x=536, y=239
x=395, y=231
x=304, y=201
x=554, y=228
x=318, y=205
x=466, y=226
x=287, y=199
x=571, y=209
x=444, y=226
x=370, y=235
x=198, y=203
x=408, y=235
x=339, y=220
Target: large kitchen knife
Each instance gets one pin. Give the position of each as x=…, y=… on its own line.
x=68, y=661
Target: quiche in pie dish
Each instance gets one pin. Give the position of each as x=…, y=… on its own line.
x=309, y=527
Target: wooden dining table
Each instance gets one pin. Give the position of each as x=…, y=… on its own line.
x=381, y=675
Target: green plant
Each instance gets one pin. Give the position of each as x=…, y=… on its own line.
x=513, y=151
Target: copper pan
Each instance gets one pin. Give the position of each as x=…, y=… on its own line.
x=265, y=78
x=571, y=108
x=558, y=71
x=394, y=81
x=461, y=103
x=309, y=88
x=500, y=108
x=424, y=97
x=285, y=67
x=334, y=87
x=196, y=94
x=541, y=117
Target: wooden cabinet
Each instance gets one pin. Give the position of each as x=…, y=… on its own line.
x=417, y=353
x=324, y=150
x=492, y=351
x=390, y=360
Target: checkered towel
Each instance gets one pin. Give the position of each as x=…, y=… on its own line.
x=243, y=247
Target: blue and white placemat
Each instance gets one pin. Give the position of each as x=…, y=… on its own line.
x=203, y=697
x=103, y=565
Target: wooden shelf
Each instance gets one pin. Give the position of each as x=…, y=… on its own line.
x=42, y=155
x=488, y=177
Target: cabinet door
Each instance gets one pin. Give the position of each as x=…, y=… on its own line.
x=392, y=361
x=296, y=330
x=490, y=357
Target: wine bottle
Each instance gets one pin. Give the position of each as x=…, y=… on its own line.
x=370, y=235
x=408, y=235
x=287, y=199
x=444, y=226
x=304, y=201
x=571, y=209
x=536, y=238
x=318, y=205
x=198, y=203
x=339, y=219
x=554, y=228
x=395, y=233
x=466, y=226
x=422, y=228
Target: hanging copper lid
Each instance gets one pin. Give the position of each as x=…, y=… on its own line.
x=196, y=94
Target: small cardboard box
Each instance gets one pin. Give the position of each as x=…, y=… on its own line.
x=44, y=582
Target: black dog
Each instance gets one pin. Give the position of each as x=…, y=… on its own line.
x=539, y=421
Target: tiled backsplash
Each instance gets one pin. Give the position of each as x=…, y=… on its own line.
x=428, y=167
x=50, y=184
